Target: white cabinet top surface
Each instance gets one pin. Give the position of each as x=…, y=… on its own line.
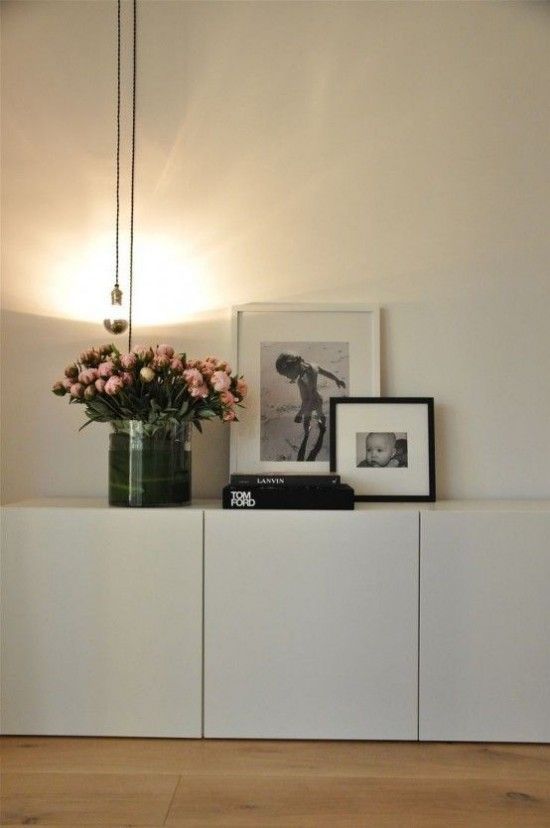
x=202, y=505
x=99, y=503
x=486, y=506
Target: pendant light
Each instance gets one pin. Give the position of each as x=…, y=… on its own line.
x=115, y=320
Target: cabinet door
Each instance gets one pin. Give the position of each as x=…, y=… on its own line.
x=311, y=624
x=101, y=612
x=485, y=627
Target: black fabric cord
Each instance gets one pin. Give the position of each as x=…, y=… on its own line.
x=133, y=165
x=117, y=147
x=132, y=177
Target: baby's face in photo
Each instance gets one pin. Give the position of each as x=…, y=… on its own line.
x=380, y=449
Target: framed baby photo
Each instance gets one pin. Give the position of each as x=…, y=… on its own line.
x=384, y=446
x=294, y=358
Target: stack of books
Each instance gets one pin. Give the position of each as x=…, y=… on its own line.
x=287, y=491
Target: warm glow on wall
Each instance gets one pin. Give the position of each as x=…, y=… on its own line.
x=168, y=284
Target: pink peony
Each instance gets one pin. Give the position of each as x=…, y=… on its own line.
x=242, y=388
x=127, y=378
x=199, y=390
x=227, y=398
x=177, y=365
x=100, y=385
x=67, y=383
x=161, y=362
x=88, y=376
x=128, y=361
x=147, y=374
x=106, y=369
x=59, y=388
x=71, y=371
x=165, y=350
x=90, y=358
x=113, y=386
x=223, y=366
x=142, y=353
x=89, y=392
x=193, y=377
x=229, y=416
x=77, y=390
x=220, y=381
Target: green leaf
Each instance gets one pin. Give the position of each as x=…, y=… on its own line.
x=86, y=424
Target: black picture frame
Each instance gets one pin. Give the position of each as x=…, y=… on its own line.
x=428, y=402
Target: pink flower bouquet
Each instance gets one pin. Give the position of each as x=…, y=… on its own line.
x=154, y=385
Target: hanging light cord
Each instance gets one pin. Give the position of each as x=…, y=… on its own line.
x=117, y=148
x=132, y=164
x=132, y=176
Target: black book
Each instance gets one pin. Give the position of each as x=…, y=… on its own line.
x=282, y=480
x=288, y=497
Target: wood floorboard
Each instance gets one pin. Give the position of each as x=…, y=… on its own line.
x=182, y=756
x=305, y=801
x=150, y=783
x=85, y=798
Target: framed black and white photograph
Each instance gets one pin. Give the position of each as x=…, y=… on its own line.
x=295, y=358
x=384, y=446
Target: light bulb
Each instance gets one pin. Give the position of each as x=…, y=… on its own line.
x=115, y=322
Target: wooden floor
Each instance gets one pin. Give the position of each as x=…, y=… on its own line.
x=158, y=782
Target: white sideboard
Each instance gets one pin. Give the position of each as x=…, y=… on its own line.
x=101, y=621
x=195, y=621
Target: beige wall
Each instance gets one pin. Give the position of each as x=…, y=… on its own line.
x=386, y=152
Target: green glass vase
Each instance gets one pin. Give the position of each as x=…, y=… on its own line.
x=149, y=470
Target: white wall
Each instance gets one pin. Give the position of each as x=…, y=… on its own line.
x=387, y=152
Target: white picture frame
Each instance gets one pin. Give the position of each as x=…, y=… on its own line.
x=350, y=330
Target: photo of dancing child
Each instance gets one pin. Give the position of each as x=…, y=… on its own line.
x=381, y=450
x=297, y=381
